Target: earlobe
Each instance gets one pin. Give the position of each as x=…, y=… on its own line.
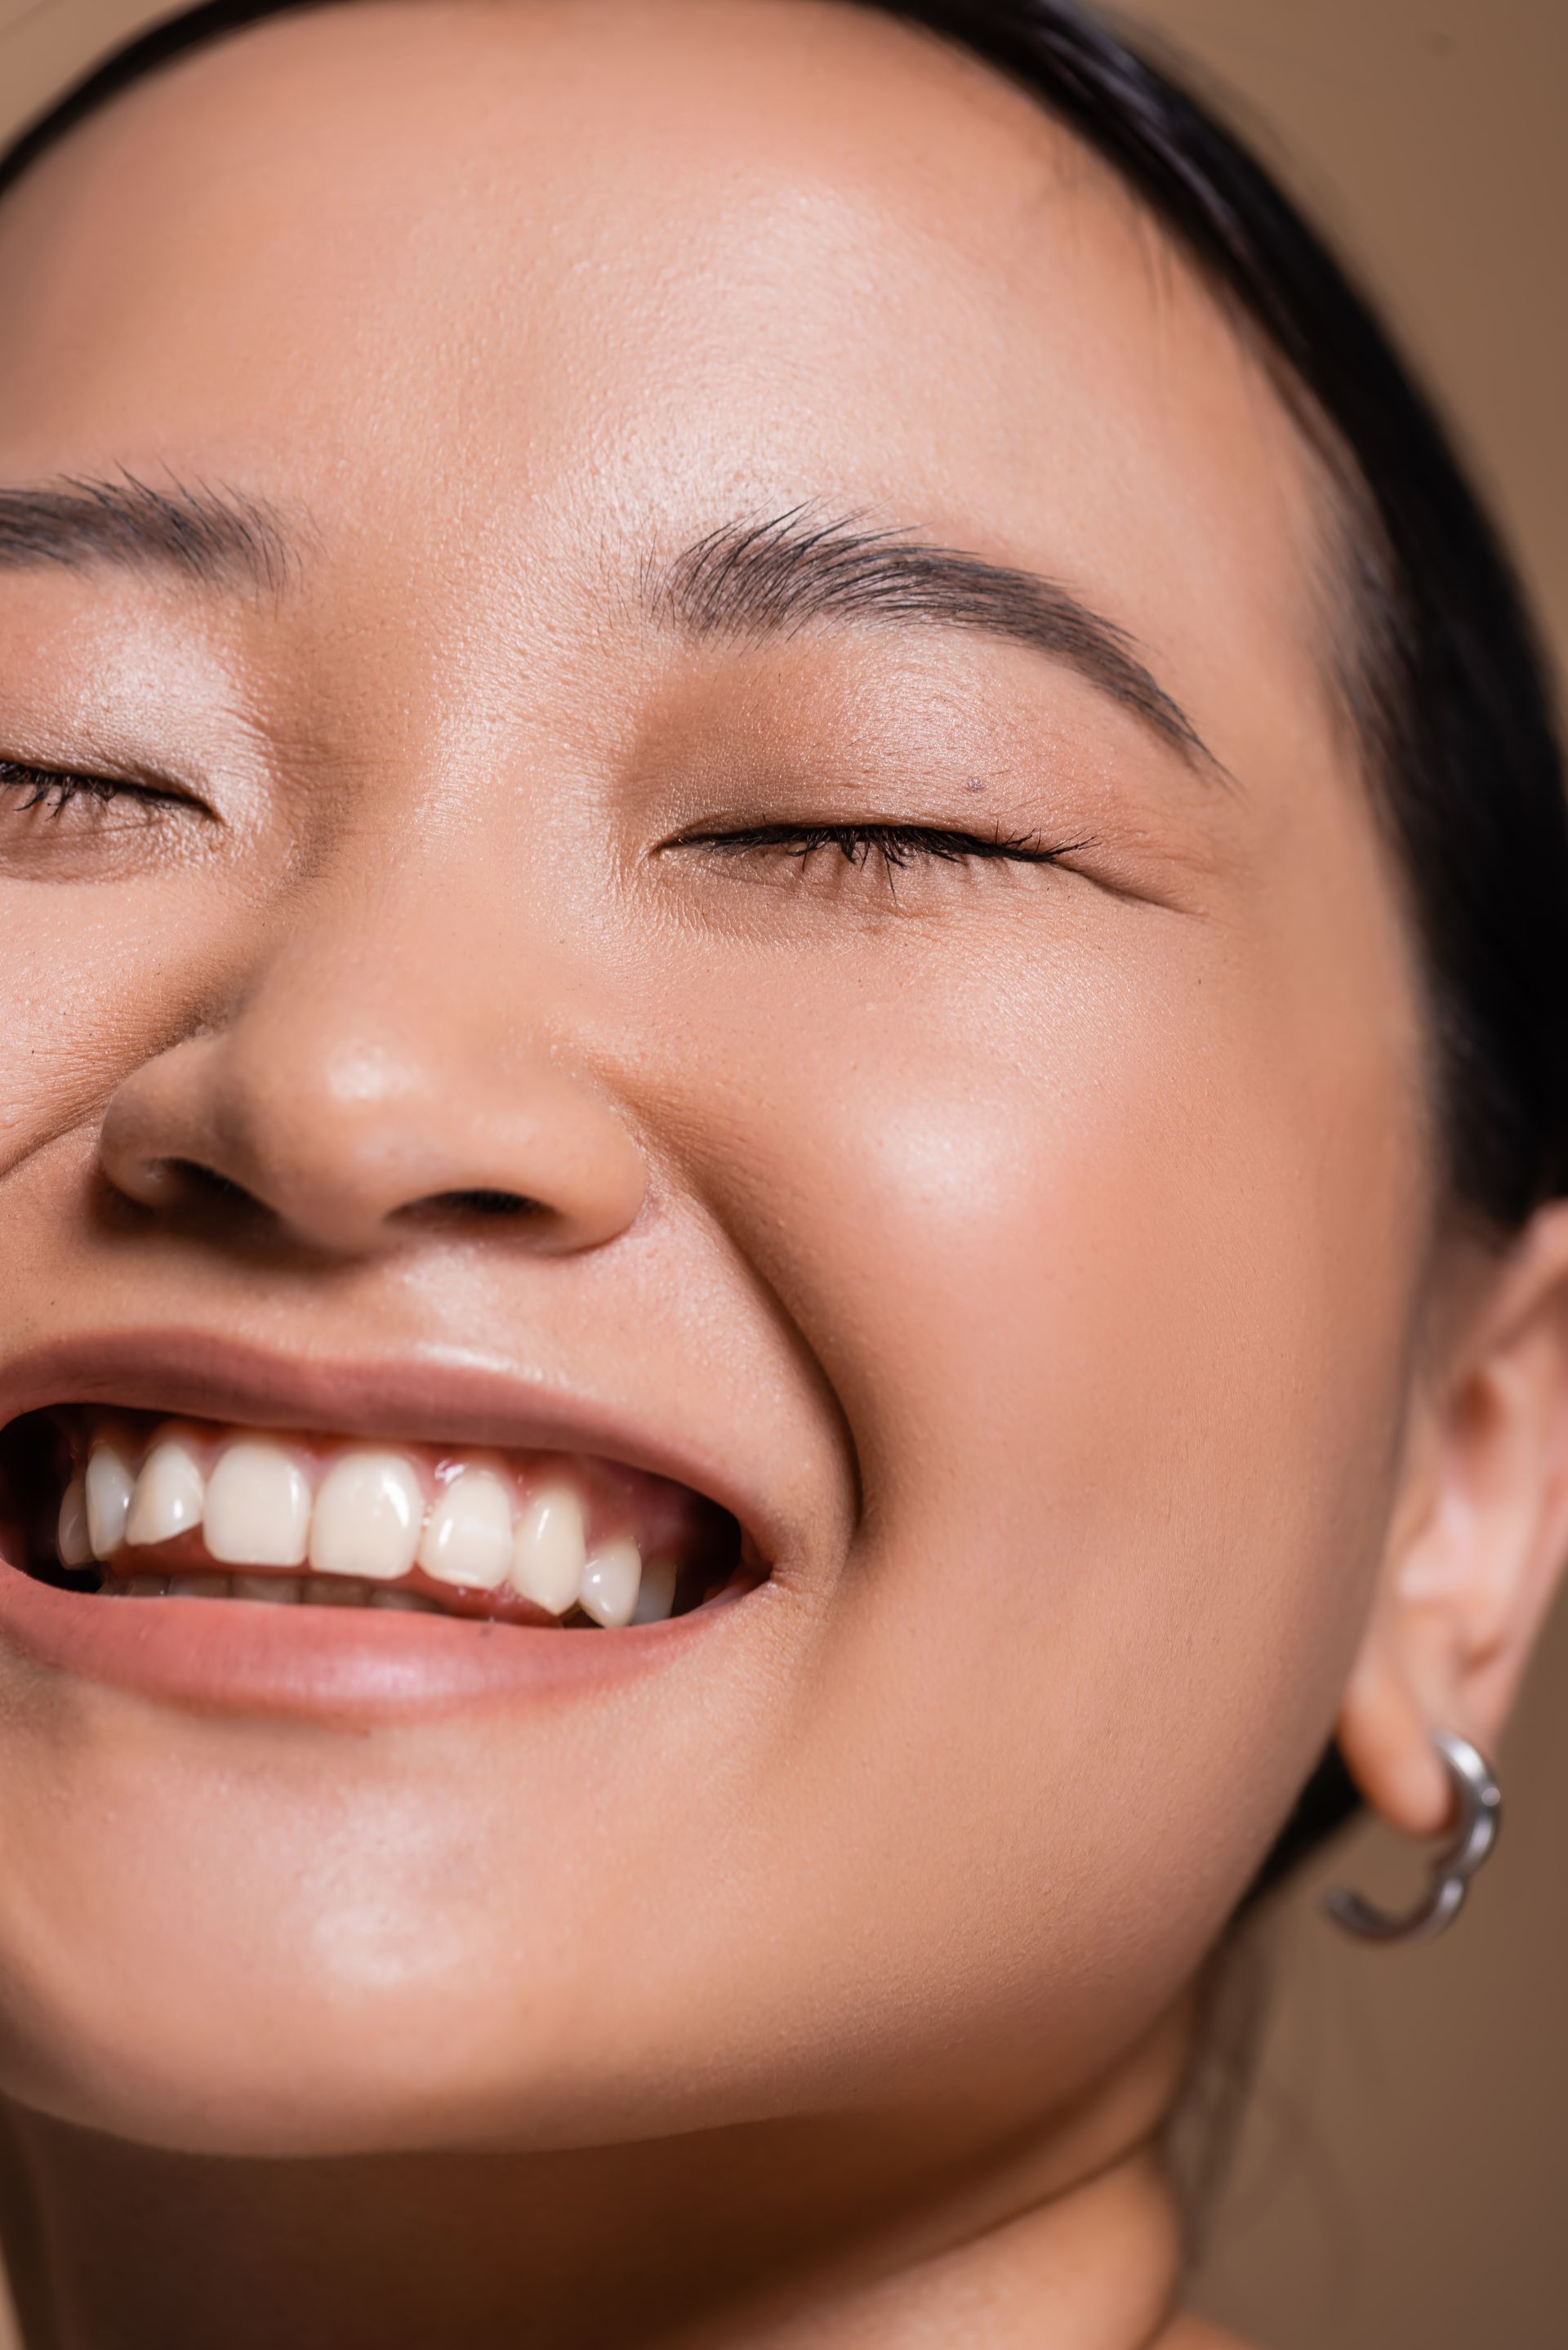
x=1384, y=1735
x=1476, y=1806
x=1478, y=1540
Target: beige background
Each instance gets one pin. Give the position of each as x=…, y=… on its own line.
x=1405, y=2161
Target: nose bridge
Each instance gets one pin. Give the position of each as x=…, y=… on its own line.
x=400, y=1049
x=377, y=986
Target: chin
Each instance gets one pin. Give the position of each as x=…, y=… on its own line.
x=267, y=2070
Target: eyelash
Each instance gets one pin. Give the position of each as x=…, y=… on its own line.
x=894, y=846
x=48, y=788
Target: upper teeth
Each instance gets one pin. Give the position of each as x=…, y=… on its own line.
x=368, y=1518
x=549, y=1550
x=256, y=1511
x=468, y=1534
x=105, y=1503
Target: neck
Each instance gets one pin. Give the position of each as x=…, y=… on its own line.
x=770, y=2237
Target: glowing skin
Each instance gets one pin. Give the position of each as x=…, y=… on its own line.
x=1035, y=1255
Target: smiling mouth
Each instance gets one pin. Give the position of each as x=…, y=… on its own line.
x=137, y=1507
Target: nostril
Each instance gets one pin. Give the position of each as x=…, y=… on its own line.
x=179, y=1186
x=491, y=1205
x=205, y=1182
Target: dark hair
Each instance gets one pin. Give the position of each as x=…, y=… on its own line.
x=1441, y=668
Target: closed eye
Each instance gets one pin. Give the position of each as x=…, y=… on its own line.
x=46, y=789
x=48, y=792
x=893, y=845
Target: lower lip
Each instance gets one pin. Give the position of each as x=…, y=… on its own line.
x=357, y=1666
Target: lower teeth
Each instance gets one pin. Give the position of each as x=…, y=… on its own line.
x=272, y=1590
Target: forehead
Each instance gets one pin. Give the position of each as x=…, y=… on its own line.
x=569, y=273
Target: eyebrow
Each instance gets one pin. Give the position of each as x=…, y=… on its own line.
x=215, y=536
x=751, y=580
x=747, y=580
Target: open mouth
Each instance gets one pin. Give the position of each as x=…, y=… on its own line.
x=140, y=1508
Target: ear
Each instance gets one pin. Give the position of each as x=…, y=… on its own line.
x=1478, y=1539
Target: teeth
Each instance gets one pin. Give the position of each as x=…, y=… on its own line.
x=72, y=1540
x=610, y=1581
x=468, y=1537
x=109, y=1487
x=258, y=1507
x=655, y=1593
x=366, y=1519
x=550, y=1550
x=168, y=1497
x=363, y=1530
x=276, y=1590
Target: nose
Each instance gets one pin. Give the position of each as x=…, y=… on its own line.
x=350, y=1110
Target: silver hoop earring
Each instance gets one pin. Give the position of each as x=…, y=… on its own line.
x=1479, y=1802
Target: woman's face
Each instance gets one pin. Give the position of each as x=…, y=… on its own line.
x=1022, y=1242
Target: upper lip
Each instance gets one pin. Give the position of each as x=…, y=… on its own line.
x=438, y=1396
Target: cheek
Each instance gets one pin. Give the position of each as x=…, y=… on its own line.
x=94, y=980
x=1111, y=1275
x=58, y=993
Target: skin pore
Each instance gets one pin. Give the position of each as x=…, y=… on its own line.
x=1022, y=1215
